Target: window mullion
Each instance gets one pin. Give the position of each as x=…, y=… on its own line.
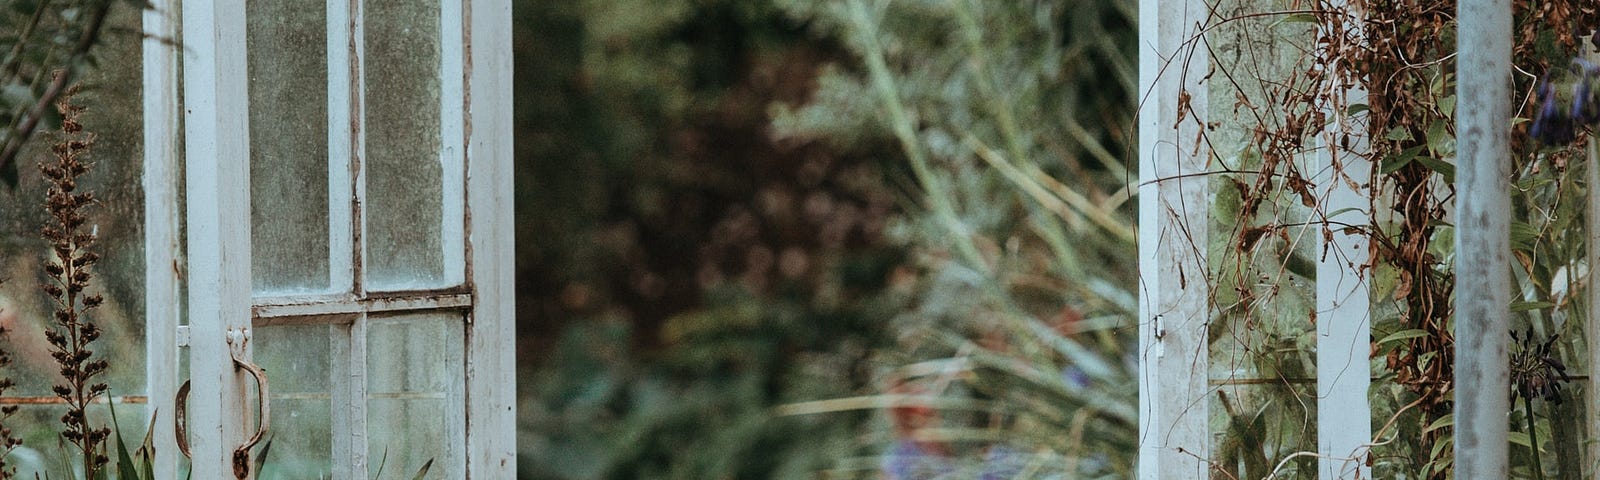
x=348, y=382
x=453, y=144
x=343, y=79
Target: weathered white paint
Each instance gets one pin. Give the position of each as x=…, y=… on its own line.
x=1483, y=223
x=452, y=151
x=161, y=216
x=269, y=310
x=348, y=381
x=1173, y=205
x=491, y=332
x=343, y=106
x=1344, y=313
x=218, y=190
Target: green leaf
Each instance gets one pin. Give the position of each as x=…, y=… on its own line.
x=1522, y=236
x=1300, y=18
x=1521, y=439
x=1356, y=109
x=1398, y=134
x=261, y=458
x=125, y=467
x=1447, y=420
x=1400, y=160
x=1440, y=141
x=1448, y=105
x=1403, y=335
x=423, y=473
x=1439, y=166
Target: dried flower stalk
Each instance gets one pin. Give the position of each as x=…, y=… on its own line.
x=69, y=271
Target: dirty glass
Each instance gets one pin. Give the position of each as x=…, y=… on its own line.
x=415, y=403
x=297, y=360
x=111, y=94
x=288, y=86
x=403, y=143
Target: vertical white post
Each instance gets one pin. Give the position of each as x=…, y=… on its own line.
x=1483, y=223
x=1173, y=204
x=491, y=331
x=218, y=189
x=162, y=301
x=1344, y=314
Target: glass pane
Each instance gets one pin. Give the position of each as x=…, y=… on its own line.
x=415, y=409
x=297, y=360
x=404, y=174
x=111, y=94
x=288, y=146
x=39, y=430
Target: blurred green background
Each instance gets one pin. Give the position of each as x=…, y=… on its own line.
x=742, y=223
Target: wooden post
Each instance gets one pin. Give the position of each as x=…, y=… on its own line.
x=1344, y=313
x=162, y=249
x=1174, y=203
x=1483, y=223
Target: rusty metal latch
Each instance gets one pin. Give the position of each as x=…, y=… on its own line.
x=238, y=340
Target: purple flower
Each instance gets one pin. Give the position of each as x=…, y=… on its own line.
x=1558, y=120
x=1002, y=462
x=1553, y=125
x=910, y=461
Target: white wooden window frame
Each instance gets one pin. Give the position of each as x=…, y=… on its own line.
x=1174, y=201
x=476, y=152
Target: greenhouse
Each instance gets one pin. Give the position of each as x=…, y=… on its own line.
x=799, y=239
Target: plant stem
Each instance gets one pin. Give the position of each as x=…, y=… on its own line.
x=1533, y=436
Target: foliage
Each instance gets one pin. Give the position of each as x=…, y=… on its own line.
x=1014, y=361
x=48, y=44
x=1401, y=55
x=683, y=272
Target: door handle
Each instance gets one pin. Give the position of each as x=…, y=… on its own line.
x=241, y=455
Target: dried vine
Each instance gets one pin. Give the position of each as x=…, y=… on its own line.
x=1401, y=54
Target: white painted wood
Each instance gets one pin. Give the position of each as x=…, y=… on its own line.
x=1344, y=303
x=1483, y=296
x=1173, y=205
x=342, y=105
x=218, y=190
x=452, y=151
x=1344, y=313
x=348, y=380
x=162, y=252
x=300, y=307
x=491, y=331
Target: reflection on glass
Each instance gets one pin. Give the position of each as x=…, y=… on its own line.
x=403, y=136
x=111, y=94
x=288, y=146
x=415, y=405
x=297, y=360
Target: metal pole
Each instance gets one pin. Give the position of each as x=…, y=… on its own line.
x=1483, y=223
